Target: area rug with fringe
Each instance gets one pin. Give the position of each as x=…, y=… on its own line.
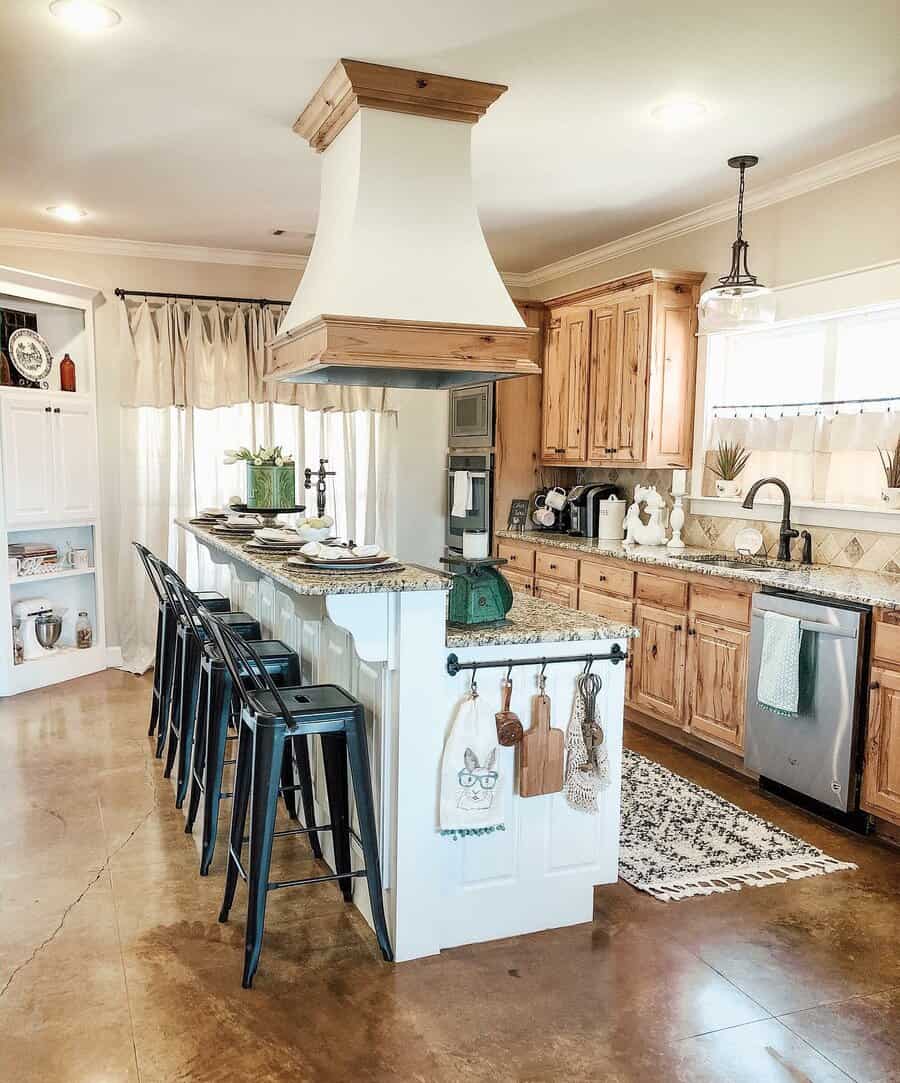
x=679, y=840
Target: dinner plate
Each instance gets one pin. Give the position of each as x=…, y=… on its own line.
x=342, y=567
x=30, y=354
x=344, y=562
x=749, y=540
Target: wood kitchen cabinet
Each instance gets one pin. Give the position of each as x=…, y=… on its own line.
x=620, y=372
x=717, y=682
x=657, y=681
x=881, y=763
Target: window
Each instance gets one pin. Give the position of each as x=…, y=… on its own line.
x=812, y=402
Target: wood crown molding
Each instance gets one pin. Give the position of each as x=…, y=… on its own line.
x=118, y=246
x=627, y=282
x=354, y=83
x=319, y=349
x=796, y=184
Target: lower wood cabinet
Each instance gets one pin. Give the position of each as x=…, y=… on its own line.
x=520, y=584
x=553, y=591
x=881, y=770
x=657, y=680
x=717, y=683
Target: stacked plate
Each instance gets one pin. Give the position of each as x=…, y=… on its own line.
x=237, y=526
x=274, y=540
x=316, y=557
x=210, y=516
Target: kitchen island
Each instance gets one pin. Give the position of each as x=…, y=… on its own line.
x=384, y=638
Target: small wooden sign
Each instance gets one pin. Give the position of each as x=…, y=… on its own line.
x=518, y=514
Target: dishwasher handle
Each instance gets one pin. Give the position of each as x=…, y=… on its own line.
x=817, y=626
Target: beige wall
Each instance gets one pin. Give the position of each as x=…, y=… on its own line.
x=850, y=224
x=422, y=436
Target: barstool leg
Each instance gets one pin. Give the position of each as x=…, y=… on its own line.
x=334, y=754
x=168, y=680
x=357, y=749
x=175, y=706
x=197, y=769
x=216, y=743
x=287, y=782
x=190, y=698
x=268, y=749
x=242, y=779
x=157, y=672
x=301, y=756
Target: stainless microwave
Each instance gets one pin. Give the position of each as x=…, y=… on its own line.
x=472, y=416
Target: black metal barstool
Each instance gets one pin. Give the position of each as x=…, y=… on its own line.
x=216, y=702
x=164, y=653
x=269, y=717
x=185, y=685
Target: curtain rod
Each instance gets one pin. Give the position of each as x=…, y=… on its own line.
x=824, y=402
x=199, y=297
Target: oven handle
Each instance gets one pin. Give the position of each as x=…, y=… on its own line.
x=816, y=626
x=471, y=473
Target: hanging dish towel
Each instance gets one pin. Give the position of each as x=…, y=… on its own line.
x=471, y=782
x=584, y=780
x=462, y=494
x=778, y=688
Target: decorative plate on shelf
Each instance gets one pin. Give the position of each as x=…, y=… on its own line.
x=30, y=354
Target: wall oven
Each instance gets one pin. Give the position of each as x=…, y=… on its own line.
x=474, y=511
x=472, y=416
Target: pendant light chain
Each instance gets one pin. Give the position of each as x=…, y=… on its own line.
x=740, y=216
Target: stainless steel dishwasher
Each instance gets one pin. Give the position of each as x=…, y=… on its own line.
x=815, y=754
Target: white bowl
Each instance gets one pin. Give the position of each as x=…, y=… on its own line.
x=313, y=533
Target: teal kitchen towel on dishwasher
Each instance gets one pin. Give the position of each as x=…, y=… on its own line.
x=778, y=688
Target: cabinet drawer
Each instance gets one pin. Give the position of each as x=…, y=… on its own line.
x=608, y=578
x=720, y=604
x=886, y=643
x=661, y=591
x=520, y=557
x=556, y=566
x=552, y=591
x=521, y=584
x=601, y=605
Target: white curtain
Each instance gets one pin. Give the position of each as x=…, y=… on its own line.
x=171, y=459
x=829, y=458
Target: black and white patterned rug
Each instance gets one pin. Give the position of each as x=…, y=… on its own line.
x=679, y=840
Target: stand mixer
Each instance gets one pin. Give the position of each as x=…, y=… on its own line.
x=28, y=613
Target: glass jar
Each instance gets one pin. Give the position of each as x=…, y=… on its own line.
x=84, y=634
x=67, y=374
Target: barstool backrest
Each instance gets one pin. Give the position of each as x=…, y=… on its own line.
x=149, y=562
x=180, y=597
x=245, y=666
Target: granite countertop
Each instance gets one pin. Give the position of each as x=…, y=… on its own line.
x=412, y=577
x=843, y=584
x=533, y=620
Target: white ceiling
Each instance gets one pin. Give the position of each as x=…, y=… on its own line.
x=176, y=125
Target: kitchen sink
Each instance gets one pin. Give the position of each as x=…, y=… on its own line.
x=757, y=565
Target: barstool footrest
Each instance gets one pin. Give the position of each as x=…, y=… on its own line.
x=275, y=885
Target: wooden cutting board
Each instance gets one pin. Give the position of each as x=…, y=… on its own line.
x=541, y=753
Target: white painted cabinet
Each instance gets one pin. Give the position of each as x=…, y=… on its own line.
x=49, y=459
x=27, y=421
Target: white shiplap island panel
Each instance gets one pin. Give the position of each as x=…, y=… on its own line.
x=388, y=647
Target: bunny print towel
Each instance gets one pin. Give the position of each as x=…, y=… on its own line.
x=471, y=792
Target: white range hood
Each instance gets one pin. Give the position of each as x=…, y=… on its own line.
x=400, y=289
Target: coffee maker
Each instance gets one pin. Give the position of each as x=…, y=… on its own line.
x=583, y=501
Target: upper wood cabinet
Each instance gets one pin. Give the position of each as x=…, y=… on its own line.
x=620, y=372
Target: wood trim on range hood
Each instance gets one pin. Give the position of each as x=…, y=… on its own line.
x=343, y=350
x=399, y=251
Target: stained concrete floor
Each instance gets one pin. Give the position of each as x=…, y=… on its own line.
x=113, y=967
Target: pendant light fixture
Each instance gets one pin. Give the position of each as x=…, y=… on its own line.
x=739, y=301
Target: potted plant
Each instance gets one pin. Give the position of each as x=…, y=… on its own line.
x=728, y=462
x=270, y=476
x=890, y=462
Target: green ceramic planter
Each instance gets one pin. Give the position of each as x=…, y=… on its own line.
x=271, y=486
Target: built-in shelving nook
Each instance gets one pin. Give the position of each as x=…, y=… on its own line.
x=50, y=484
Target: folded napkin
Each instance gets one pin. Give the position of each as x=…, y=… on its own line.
x=778, y=687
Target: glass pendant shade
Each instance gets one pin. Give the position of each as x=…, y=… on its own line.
x=738, y=302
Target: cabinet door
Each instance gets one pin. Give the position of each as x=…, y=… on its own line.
x=717, y=683
x=27, y=458
x=602, y=426
x=881, y=768
x=552, y=591
x=629, y=385
x=75, y=461
x=565, y=387
x=519, y=584
x=673, y=378
x=658, y=676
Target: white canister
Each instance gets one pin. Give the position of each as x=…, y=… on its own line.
x=611, y=519
x=475, y=544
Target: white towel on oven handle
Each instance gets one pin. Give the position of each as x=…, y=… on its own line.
x=462, y=494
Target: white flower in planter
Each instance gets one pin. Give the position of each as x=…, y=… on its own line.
x=257, y=462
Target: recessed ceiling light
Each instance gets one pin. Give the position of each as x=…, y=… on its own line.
x=85, y=15
x=68, y=212
x=679, y=112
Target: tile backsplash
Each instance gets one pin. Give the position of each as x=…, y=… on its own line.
x=866, y=550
